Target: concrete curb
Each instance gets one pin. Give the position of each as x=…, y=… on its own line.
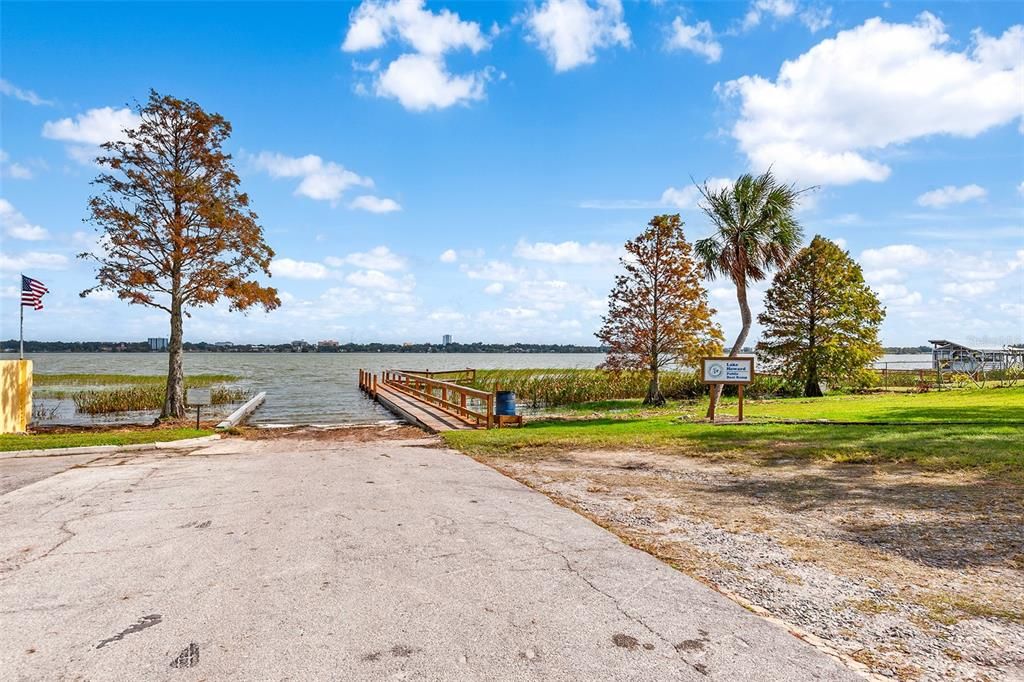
x=104, y=449
x=243, y=412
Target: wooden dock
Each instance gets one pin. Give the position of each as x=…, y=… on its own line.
x=423, y=399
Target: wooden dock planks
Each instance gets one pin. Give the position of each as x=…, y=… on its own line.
x=418, y=412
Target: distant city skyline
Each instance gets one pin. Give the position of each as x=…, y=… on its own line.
x=473, y=169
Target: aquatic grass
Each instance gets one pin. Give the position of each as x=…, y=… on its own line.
x=141, y=398
x=559, y=387
x=79, y=379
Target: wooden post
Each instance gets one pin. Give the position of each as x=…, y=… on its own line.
x=374, y=385
x=741, y=402
x=711, y=409
x=490, y=409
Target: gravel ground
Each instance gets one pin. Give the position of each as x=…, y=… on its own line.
x=918, y=576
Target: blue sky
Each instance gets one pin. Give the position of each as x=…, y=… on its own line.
x=474, y=168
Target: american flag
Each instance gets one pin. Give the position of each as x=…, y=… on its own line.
x=32, y=291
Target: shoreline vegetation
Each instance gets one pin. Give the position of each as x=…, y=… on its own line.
x=95, y=394
x=11, y=346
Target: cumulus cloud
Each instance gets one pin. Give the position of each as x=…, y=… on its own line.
x=776, y=9
x=951, y=194
x=567, y=252
x=495, y=271
x=319, y=179
x=969, y=289
x=494, y=288
x=11, y=90
x=689, y=196
x=298, y=269
x=829, y=111
x=698, y=38
x=570, y=32
x=32, y=260
x=375, y=279
x=368, y=202
x=377, y=258
x=897, y=295
x=87, y=131
x=894, y=256
x=448, y=256
x=419, y=80
x=13, y=169
x=17, y=226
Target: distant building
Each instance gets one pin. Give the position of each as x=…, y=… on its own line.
x=158, y=343
x=446, y=340
x=329, y=344
x=949, y=356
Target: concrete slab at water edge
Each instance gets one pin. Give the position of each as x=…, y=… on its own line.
x=313, y=560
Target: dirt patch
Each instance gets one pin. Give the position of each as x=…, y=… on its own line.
x=340, y=434
x=919, y=576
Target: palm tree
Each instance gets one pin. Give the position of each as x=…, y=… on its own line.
x=755, y=231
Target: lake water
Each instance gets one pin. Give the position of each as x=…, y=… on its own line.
x=316, y=388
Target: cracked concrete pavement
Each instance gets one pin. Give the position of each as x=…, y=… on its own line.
x=289, y=559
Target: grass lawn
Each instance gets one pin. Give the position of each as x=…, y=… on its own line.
x=72, y=439
x=936, y=437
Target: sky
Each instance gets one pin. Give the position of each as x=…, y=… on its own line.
x=474, y=168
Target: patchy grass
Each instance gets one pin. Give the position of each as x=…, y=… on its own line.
x=951, y=430
x=73, y=439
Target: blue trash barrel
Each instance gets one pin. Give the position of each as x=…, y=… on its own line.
x=505, y=403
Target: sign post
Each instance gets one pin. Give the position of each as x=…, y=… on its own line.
x=735, y=371
x=199, y=397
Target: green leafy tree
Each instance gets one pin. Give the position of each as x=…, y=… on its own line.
x=175, y=231
x=755, y=231
x=820, y=319
x=658, y=312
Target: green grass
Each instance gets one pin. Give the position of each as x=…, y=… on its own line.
x=994, y=442
x=124, y=379
x=47, y=441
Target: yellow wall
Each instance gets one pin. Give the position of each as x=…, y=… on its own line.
x=15, y=395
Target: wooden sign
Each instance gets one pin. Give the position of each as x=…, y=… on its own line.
x=199, y=396
x=739, y=371
x=727, y=370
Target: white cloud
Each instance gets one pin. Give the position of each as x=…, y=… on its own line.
x=13, y=169
x=422, y=82
x=951, y=194
x=377, y=258
x=33, y=260
x=816, y=18
x=374, y=204
x=298, y=269
x=969, y=289
x=777, y=9
x=884, y=275
x=11, y=90
x=567, y=252
x=372, y=24
x=689, y=196
x=571, y=31
x=94, y=127
x=17, y=226
x=895, y=256
x=494, y=288
x=446, y=315
x=872, y=87
x=448, y=256
x=320, y=180
x=375, y=279
x=495, y=271
x=86, y=132
x=699, y=39
x=419, y=80
x=897, y=295
x=1020, y=188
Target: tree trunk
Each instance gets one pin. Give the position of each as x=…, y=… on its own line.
x=174, y=400
x=813, y=387
x=654, y=396
x=741, y=297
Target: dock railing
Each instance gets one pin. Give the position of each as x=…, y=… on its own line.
x=454, y=399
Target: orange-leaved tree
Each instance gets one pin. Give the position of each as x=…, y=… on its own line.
x=658, y=312
x=175, y=231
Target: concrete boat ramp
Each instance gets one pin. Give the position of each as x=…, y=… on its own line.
x=309, y=559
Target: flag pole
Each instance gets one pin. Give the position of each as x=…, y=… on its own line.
x=21, y=336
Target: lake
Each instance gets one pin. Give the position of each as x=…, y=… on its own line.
x=314, y=388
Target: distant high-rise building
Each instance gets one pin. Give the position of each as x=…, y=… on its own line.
x=158, y=343
x=446, y=340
